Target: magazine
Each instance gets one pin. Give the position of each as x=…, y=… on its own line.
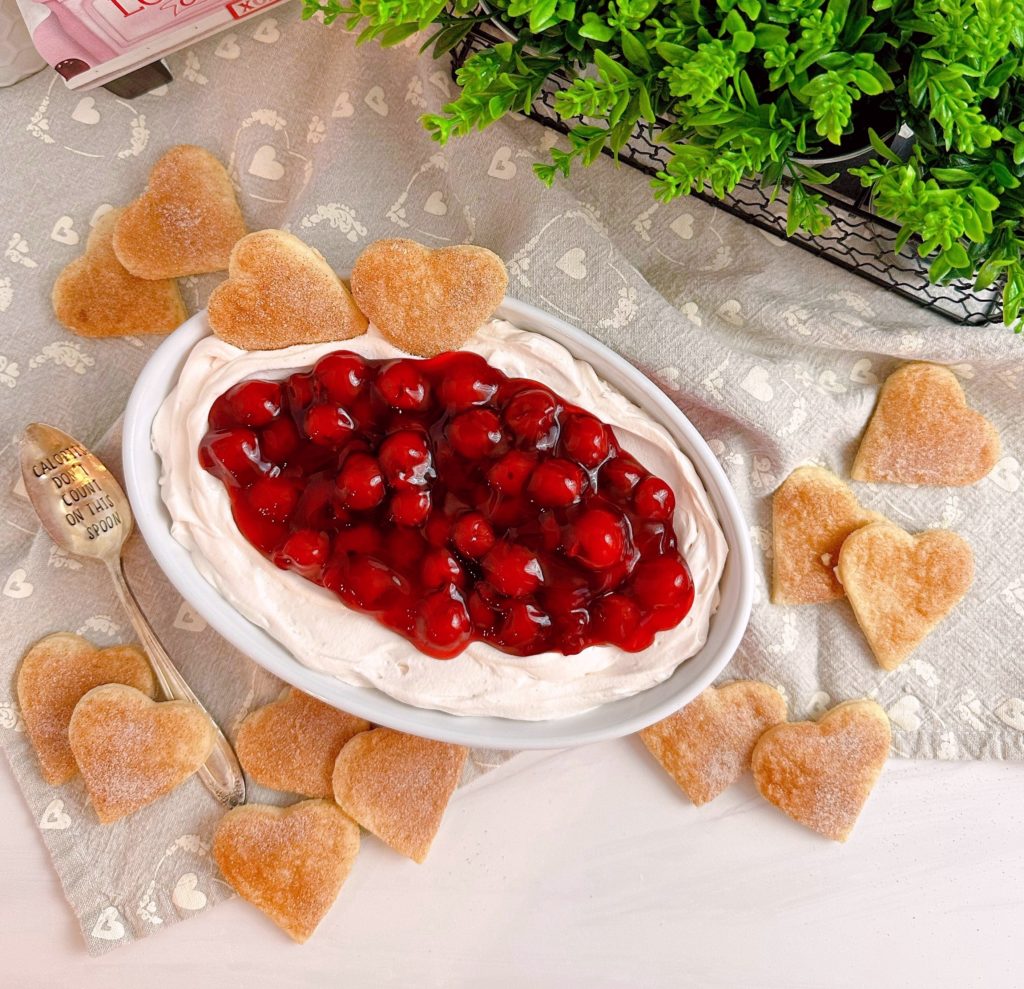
x=92, y=42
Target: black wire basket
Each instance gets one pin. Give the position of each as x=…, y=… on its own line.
x=857, y=240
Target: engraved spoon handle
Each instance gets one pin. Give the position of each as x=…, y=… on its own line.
x=222, y=774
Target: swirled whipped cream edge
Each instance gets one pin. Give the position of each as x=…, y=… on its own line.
x=325, y=635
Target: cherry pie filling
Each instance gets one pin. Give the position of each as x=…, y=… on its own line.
x=452, y=503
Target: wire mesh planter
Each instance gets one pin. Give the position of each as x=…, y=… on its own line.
x=858, y=239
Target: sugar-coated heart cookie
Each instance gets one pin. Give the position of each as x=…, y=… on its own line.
x=292, y=743
x=132, y=750
x=812, y=513
x=397, y=786
x=281, y=292
x=901, y=586
x=185, y=223
x=706, y=746
x=923, y=432
x=289, y=862
x=96, y=296
x=54, y=675
x=821, y=773
x=428, y=301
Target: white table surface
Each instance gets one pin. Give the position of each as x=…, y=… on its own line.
x=587, y=868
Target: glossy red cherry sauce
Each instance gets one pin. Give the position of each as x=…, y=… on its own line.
x=452, y=503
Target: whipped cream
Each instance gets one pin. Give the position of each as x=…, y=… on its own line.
x=323, y=634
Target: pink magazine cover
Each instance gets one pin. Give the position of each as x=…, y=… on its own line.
x=91, y=42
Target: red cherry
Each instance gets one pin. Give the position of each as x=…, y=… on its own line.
x=328, y=425
x=653, y=499
x=561, y=599
x=531, y=414
x=279, y=440
x=405, y=459
x=481, y=612
x=620, y=475
x=405, y=547
x=556, y=483
x=598, y=539
x=509, y=475
x=467, y=380
x=403, y=386
x=663, y=582
x=275, y=497
x=472, y=535
x=362, y=539
x=342, y=375
x=249, y=403
x=304, y=551
x=585, y=439
x=360, y=482
x=410, y=507
x=316, y=508
x=439, y=568
x=522, y=625
x=514, y=570
x=653, y=538
x=438, y=529
x=475, y=434
x=616, y=619
x=264, y=533
x=442, y=622
x=371, y=582
x=300, y=390
x=233, y=455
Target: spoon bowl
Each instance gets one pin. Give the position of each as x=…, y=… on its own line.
x=79, y=502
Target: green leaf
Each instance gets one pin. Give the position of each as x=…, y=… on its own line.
x=634, y=50
x=397, y=34
x=542, y=14
x=744, y=41
x=882, y=148
x=595, y=29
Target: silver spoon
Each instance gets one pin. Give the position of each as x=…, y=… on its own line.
x=84, y=510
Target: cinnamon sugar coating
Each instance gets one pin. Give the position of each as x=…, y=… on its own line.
x=706, y=746
x=397, y=786
x=281, y=292
x=813, y=511
x=185, y=223
x=427, y=301
x=901, y=586
x=288, y=862
x=821, y=773
x=96, y=296
x=292, y=743
x=54, y=675
x=923, y=432
x=132, y=750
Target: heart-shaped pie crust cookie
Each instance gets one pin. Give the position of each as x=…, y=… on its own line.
x=923, y=432
x=281, y=292
x=292, y=743
x=96, y=296
x=54, y=675
x=821, y=773
x=290, y=863
x=812, y=513
x=397, y=786
x=428, y=301
x=706, y=746
x=901, y=586
x=185, y=223
x=132, y=750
